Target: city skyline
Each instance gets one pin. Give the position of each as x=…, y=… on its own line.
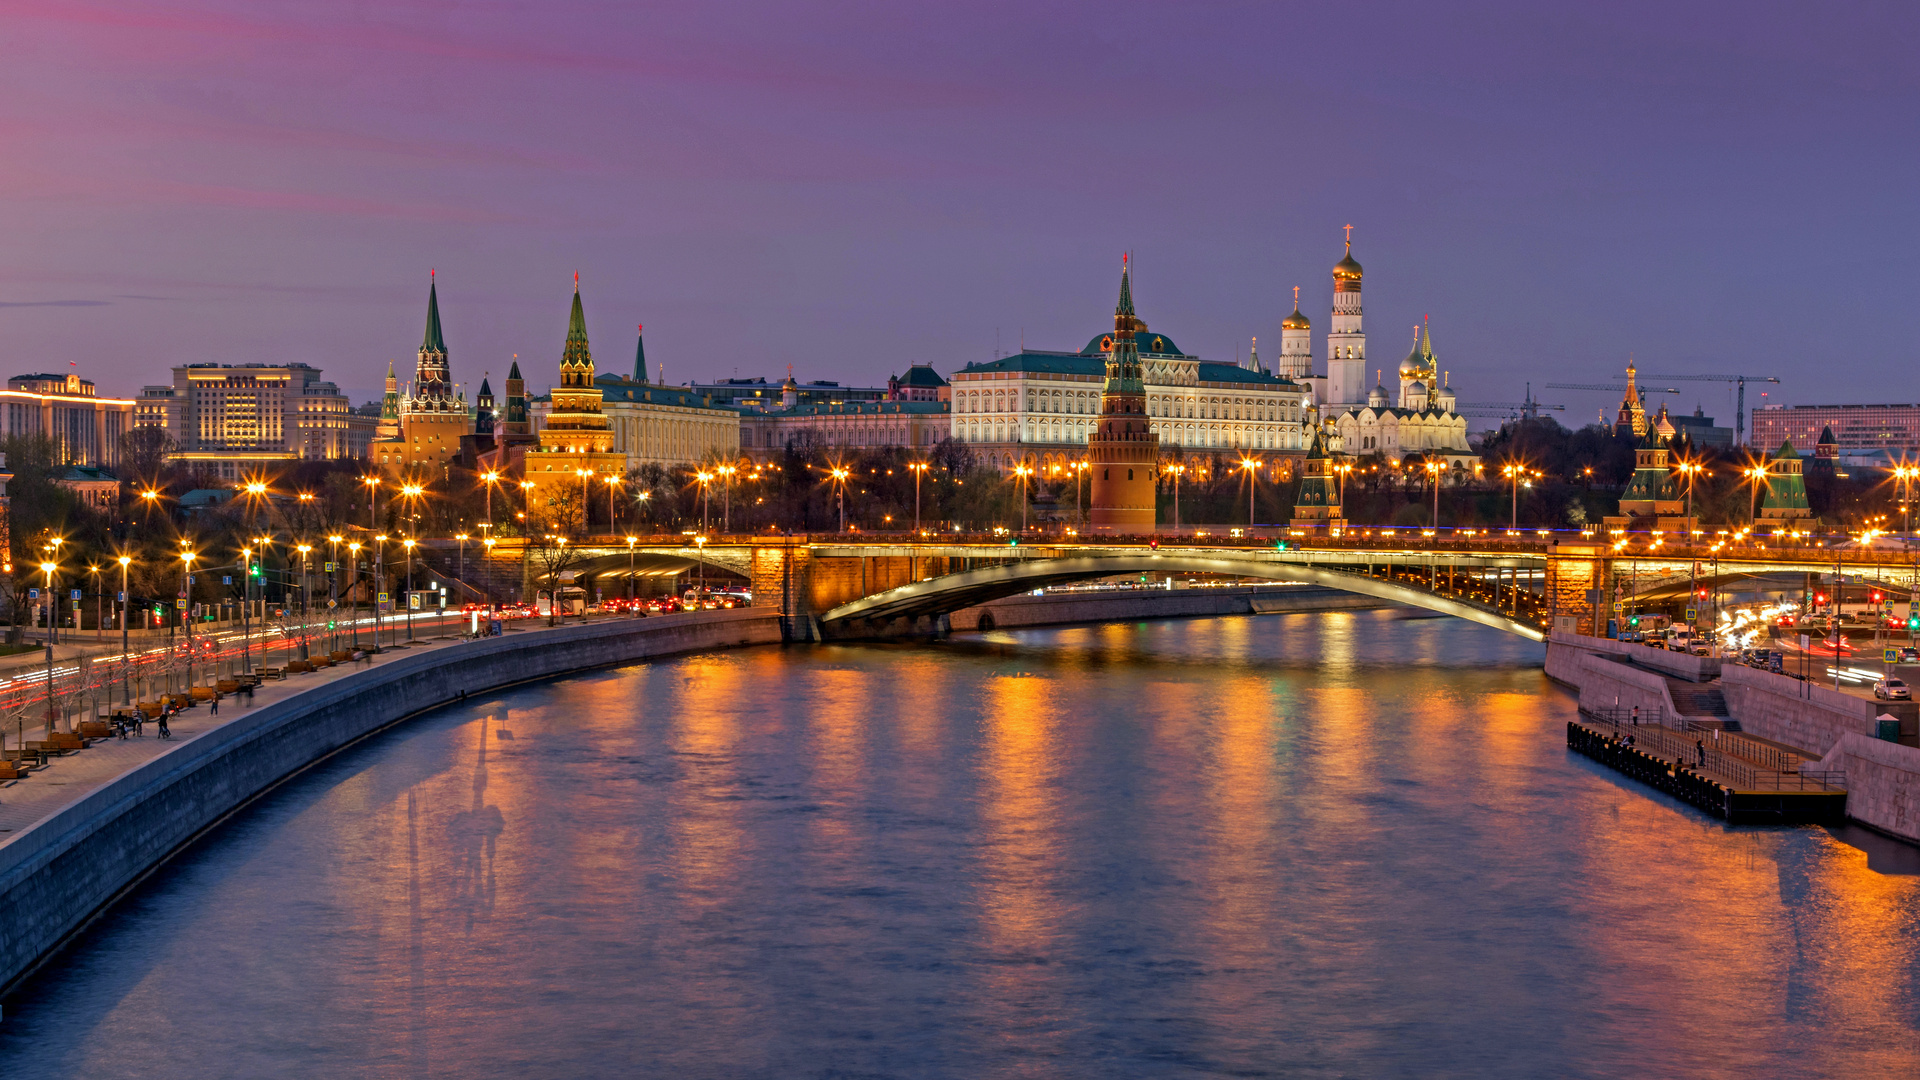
x=853, y=195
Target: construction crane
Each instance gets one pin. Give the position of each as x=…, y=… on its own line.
x=1740, y=409
x=1515, y=409
x=1612, y=388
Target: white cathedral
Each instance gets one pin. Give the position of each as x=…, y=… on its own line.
x=1421, y=419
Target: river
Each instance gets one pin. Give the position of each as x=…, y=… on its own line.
x=1315, y=845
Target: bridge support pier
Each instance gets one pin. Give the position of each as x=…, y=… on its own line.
x=1573, y=572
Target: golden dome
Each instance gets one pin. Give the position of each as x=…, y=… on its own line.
x=1295, y=321
x=1346, y=269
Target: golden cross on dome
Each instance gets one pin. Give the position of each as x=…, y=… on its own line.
x=1349, y=229
x=1296, y=296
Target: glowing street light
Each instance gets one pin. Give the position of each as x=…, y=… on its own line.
x=840, y=488
x=1023, y=470
x=919, y=469
x=1251, y=467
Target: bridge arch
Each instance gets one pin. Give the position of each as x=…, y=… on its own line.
x=951, y=592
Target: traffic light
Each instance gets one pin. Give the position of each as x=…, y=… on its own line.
x=1876, y=596
x=254, y=569
x=1635, y=621
x=1819, y=598
x=1913, y=624
x=1279, y=545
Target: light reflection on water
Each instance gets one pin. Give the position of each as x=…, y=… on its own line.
x=1330, y=845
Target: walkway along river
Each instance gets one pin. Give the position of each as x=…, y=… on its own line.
x=1313, y=845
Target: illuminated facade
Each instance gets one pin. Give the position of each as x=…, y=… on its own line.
x=84, y=427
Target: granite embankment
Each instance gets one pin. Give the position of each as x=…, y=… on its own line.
x=57, y=872
x=1053, y=608
x=1834, y=732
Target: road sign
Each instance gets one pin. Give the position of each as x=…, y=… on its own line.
x=330, y=566
x=226, y=579
x=33, y=594
x=384, y=598
x=1692, y=614
x=180, y=604
x=1891, y=656
x=331, y=604
x=1618, y=606
x=120, y=598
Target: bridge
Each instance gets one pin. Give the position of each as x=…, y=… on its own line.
x=858, y=587
x=864, y=585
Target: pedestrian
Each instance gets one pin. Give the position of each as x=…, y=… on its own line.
x=1700, y=748
x=1636, y=716
x=214, y=705
x=165, y=731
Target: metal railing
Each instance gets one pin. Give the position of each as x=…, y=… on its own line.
x=1679, y=739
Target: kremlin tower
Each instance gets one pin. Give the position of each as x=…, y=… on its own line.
x=1123, y=452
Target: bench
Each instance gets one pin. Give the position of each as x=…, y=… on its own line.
x=14, y=769
x=297, y=666
x=227, y=686
x=96, y=729
x=205, y=693
x=340, y=656
x=273, y=673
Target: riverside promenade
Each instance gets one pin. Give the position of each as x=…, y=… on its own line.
x=76, y=835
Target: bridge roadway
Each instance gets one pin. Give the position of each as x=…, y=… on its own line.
x=882, y=585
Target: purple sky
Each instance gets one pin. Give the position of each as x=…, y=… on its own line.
x=851, y=188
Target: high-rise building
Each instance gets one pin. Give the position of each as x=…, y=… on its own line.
x=1863, y=434
x=85, y=427
x=231, y=420
x=1123, y=453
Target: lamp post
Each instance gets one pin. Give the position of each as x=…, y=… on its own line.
x=353, y=602
x=919, y=469
x=726, y=498
x=1176, y=469
x=1434, y=469
x=1023, y=471
x=1689, y=470
x=489, y=479
x=379, y=583
x=489, y=542
x=586, y=500
x=526, y=504
x=47, y=568
x=186, y=613
x=53, y=602
x=99, y=604
x=1252, y=468
x=613, y=486
x=1513, y=472
x=333, y=591
x=125, y=699
x=700, y=597
x=840, y=489
x=631, y=540
x=1758, y=475
x=643, y=499
x=408, y=544
x=306, y=607
x=462, y=537
x=705, y=478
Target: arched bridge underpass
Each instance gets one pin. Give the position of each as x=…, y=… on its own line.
x=921, y=603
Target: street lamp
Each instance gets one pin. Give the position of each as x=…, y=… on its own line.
x=840, y=488
x=490, y=478
x=613, y=485
x=1023, y=471
x=1689, y=470
x=706, y=478
x=1758, y=475
x=99, y=601
x=1513, y=472
x=1434, y=469
x=408, y=544
x=700, y=597
x=53, y=637
x=1252, y=468
x=125, y=693
x=631, y=540
x=1176, y=469
x=726, y=497
x=333, y=591
x=306, y=607
x=379, y=584
x=186, y=613
x=919, y=469
x=353, y=600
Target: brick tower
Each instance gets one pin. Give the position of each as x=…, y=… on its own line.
x=1123, y=451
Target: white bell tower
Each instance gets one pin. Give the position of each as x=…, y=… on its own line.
x=1346, y=338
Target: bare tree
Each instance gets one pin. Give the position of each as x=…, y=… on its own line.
x=554, y=531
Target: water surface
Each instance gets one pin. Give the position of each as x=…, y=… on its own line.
x=1325, y=845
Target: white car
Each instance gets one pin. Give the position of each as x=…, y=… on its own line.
x=1892, y=689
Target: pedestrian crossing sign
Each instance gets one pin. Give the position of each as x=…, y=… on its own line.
x=1692, y=614
x=1618, y=606
x=1891, y=656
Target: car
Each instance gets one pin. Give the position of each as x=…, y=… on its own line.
x=1892, y=689
x=1909, y=655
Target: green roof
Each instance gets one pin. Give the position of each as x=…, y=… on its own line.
x=863, y=408
x=1146, y=341
x=433, y=342
x=621, y=388
x=921, y=375
x=1041, y=362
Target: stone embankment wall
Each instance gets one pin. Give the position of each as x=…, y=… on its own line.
x=1787, y=710
x=1605, y=683
x=57, y=873
x=1084, y=607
